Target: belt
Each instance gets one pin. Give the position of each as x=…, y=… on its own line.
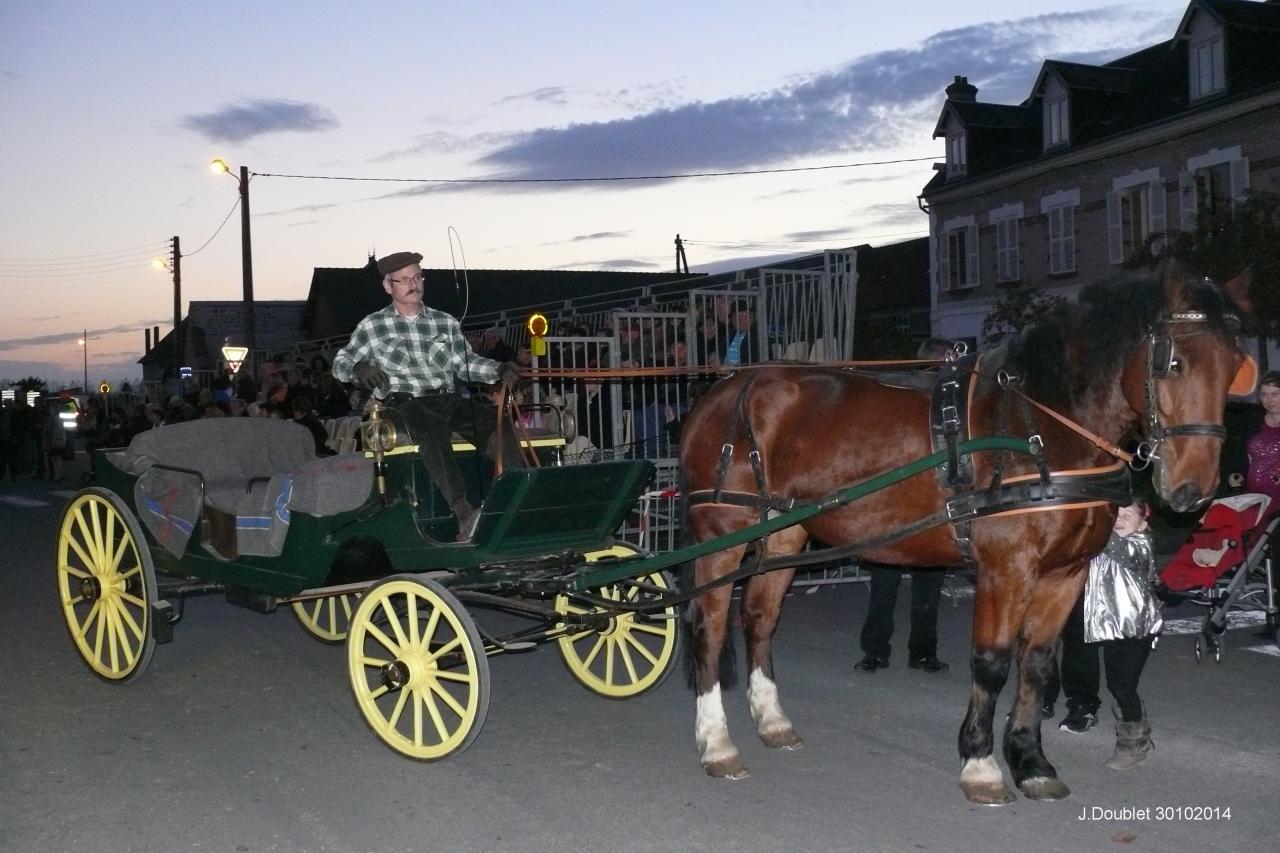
x=430, y=393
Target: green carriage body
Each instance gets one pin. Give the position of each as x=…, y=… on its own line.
x=527, y=514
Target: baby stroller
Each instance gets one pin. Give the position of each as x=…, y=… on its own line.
x=1225, y=564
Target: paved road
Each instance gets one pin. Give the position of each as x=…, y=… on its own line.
x=243, y=737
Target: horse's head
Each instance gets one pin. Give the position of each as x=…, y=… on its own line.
x=1179, y=379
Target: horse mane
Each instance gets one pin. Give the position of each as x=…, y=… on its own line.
x=1082, y=344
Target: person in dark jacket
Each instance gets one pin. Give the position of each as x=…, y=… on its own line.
x=302, y=414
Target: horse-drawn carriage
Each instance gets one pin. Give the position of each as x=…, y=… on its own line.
x=1010, y=461
x=363, y=551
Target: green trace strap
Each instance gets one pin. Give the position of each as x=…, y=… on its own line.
x=635, y=567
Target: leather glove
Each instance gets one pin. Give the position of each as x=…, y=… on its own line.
x=509, y=374
x=370, y=376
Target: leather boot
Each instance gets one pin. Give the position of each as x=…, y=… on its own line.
x=1133, y=742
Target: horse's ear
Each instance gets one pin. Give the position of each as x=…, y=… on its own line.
x=1175, y=294
x=1237, y=290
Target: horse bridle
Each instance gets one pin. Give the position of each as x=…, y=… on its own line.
x=1161, y=361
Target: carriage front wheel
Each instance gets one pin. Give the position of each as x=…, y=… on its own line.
x=106, y=585
x=418, y=668
x=626, y=653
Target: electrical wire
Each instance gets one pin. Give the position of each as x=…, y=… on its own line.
x=56, y=260
x=612, y=178
x=215, y=233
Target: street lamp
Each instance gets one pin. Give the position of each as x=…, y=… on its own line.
x=84, y=343
x=174, y=267
x=246, y=250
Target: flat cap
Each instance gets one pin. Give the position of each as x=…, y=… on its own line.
x=397, y=261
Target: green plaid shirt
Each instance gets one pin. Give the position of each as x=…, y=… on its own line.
x=425, y=353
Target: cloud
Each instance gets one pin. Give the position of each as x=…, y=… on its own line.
x=599, y=235
x=544, y=95
x=12, y=75
x=259, y=116
x=893, y=214
x=875, y=102
x=443, y=142
x=819, y=236
x=72, y=337
x=611, y=264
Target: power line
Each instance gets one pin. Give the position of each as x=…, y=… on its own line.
x=215, y=233
x=670, y=177
x=54, y=260
x=119, y=266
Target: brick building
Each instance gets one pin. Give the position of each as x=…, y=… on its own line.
x=1101, y=162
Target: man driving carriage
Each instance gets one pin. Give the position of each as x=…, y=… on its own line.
x=413, y=357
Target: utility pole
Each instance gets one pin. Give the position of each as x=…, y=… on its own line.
x=176, y=266
x=246, y=259
x=681, y=260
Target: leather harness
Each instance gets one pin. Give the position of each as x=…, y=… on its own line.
x=950, y=394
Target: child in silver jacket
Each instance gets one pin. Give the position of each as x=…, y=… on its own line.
x=1121, y=614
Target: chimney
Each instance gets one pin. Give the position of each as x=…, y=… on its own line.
x=146, y=348
x=155, y=334
x=961, y=90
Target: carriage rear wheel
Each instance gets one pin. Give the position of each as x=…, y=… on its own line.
x=106, y=585
x=418, y=668
x=328, y=619
x=627, y=653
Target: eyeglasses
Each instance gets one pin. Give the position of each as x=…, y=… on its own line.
x=405, y=282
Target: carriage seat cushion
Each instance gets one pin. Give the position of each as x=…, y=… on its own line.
x=256, y=469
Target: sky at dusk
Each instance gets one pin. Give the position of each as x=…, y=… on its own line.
x=112, y=112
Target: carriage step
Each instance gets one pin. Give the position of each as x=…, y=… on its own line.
x=256, y=601
x=518, y=646
x=162, y=621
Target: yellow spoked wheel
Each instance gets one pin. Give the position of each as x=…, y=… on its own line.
x=418, y=668
x=327, y=619
x=630, y=653
x=106, y=585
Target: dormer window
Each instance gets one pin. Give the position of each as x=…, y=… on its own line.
x=956, y=154
x=1208, y=75
x=1056, y=127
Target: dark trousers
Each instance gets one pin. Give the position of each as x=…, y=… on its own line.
x=1122, y=659
x=433, y=419
x=926, y=592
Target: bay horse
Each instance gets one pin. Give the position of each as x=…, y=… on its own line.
x=1147, y=358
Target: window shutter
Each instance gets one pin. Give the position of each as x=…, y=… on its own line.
x=944, y=262
x=1068, y=238
x=1159, y=215
x=1115, y=228
x=1239, y=179
x=1188, y=200
x=1053, y=238
x=971, y=268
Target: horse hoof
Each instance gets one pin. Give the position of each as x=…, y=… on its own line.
x=1044, y=788
x=782, y=739
x=987, y=793
x=727, y=768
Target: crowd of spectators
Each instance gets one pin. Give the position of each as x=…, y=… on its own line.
x=33, y=441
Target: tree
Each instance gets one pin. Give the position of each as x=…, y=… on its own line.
x=33, y=383
x=1015, y=310
x=1229, y=239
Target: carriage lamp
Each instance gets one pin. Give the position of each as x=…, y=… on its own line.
x=537, y=326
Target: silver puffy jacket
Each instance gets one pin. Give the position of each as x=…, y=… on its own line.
x=1118, y=601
